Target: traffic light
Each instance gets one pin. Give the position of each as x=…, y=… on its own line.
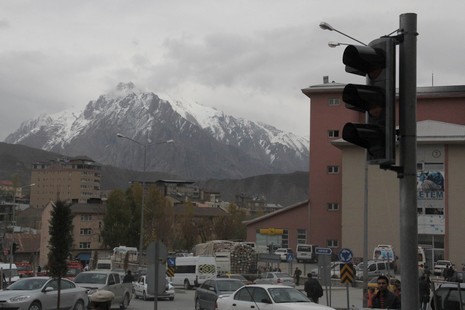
x=14, y=248
x=377, y=62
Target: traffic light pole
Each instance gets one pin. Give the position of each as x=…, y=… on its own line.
x=408, y=155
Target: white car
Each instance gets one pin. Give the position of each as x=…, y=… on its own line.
x=283, y=252
x=266, y=296
x=276, y=278
x=140, y=290
x=440, y=265
x=40, y=293
x=335, y=268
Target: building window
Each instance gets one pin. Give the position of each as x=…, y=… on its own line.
x=333, y=101
x=332, y=206
x=86, y=231
x=86, y=217
x=332, y=243
x=333, y=133
x=333, y=169
x=285, y=239
x=84, y=245
x=301, y=236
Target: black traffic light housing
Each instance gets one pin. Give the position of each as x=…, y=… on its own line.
x=377, y=62
x=14, y=248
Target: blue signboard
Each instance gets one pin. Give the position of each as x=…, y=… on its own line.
x=345, y=255
x=323, y=251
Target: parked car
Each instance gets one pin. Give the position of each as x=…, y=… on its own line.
x=264, y=296
x=235, y=276
x=335, y=270
x=140, y=290
x=375, y=268
x=283, y=252
x=440, y=265
x=106, y=280
x=276, y=278
x=207, y=293
x=446, y=296
x=41, y=293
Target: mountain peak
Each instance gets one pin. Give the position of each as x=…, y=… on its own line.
x=209, y=143
x=124, y=89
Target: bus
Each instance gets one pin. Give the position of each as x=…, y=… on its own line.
x=192, y=271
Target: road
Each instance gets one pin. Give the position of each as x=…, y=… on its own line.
x=184, y=300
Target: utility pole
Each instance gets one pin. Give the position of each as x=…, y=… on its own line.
x=408, y=159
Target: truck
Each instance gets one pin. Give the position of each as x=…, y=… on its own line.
x=122, y=258
x=112, y=281
x=231, y=257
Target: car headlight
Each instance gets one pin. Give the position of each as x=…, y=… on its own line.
x=91, y=291
x=20, y=298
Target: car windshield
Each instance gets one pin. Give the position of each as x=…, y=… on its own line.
x=287, y=295
x=282, y=275
x=27, y=284
x=229, y=286
x=90, y=277
x=449, y=298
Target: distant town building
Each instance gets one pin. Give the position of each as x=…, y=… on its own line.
x=67, y=179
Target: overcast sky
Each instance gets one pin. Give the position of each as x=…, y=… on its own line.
x=247, y=58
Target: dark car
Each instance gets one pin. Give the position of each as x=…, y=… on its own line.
x=207, y=293
x=446, y=296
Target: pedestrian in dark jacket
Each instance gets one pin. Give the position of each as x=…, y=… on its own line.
x=297, y=274
x=384, y=299
x=313, y=288
x=424, y=290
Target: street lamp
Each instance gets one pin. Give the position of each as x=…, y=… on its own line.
x=334, y=44
x=144, y=145
x=326, y=26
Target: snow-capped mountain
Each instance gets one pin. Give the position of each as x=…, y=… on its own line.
x=207, y=142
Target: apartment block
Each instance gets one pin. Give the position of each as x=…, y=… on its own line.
x=67, y=179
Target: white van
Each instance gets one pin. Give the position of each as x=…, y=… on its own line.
x=104, y=264
x=374, y=269
x=192, y=271
x=305, y=253
x=9, y=272
x=384, y=252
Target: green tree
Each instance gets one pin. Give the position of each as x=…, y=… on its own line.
x=160, y=216
x=188, y=230
x=60, y=242
x=118, y=225
x=230, y=227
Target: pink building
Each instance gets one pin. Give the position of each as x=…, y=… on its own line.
x=334, y=213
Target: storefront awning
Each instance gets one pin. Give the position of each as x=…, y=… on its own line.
x=83, y=256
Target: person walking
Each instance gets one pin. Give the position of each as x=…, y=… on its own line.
x=128, y=278
x=297, y=274
x=384, y=299
x=313, y=288
x=424, y=289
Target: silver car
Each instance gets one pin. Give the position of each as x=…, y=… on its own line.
x=279, y=278
x=41, y=293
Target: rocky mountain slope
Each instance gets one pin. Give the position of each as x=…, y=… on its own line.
x=207, y=143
